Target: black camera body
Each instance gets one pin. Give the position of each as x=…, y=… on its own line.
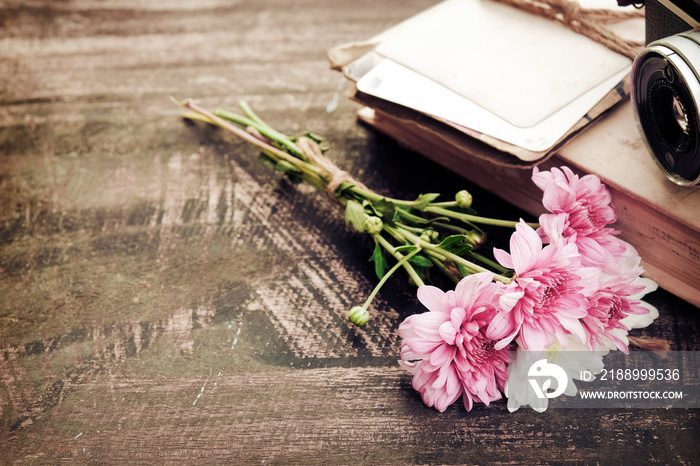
x=666, y=18
x=665, y=88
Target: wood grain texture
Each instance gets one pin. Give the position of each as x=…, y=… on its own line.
x=167, y=299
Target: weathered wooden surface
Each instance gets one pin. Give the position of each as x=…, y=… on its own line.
x=166, y=298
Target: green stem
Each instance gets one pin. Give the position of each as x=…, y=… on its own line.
x=417, y=230
x=374, y=197
x=253, y=116
x=406, y=215
x=445, y=204
x=402, y=262
x=475, y=218
x=396, y=235
x=263, y=129
x=489, y=262
x=282, y=138
x=276, y=154
x=436, y=208
x=470, y=266
x=400, y=257
x=236, y=118
x=435, y=259
x=456, y=229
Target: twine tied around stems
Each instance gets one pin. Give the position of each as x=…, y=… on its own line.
x=337, y=176
x=588, y=22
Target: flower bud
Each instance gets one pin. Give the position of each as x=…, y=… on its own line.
x=476, y=238
x=358, y=315
x=372, y=225
x=429, y=236
x=464, y=199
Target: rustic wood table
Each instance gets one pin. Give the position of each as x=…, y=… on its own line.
x=166, y=298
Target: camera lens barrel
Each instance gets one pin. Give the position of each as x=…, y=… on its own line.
x=665, y=90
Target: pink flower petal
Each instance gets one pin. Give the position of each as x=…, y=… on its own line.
x=525, y=244
x=432, y=298
x=448, y=333
x=510, y=298
x=501, y=344
x=574, y=327
x=442, y=355
x=534, y=340
x=422, y=348
x=470, y=287
x=503, y=258
x=468, y=402
x=427, y=325
x=501, y=325
x=457, y=316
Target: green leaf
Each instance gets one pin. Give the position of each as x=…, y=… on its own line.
x=423, y=272
x=314, y=137
x=384, y=209
x=420, y=261
x=451, y=241
x=369, y=208
x=355, y=214
x=343, y=188
x=456, y=244
x=438, y=219
x=380, y=265
x=462, y=250
x=425, y=199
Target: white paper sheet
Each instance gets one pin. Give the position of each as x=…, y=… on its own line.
x=494, y=69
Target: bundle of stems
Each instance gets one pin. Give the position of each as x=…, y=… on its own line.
x=417, y=235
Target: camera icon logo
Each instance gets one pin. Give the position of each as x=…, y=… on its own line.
x=540, y=376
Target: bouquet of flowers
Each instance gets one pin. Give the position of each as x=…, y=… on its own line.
x=568, y=287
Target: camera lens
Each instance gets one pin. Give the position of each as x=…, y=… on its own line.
x=665, y=96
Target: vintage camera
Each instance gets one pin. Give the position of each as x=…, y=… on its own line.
x=665, y=88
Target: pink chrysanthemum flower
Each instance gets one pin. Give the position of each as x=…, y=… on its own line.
x=586, y=200
x=601, y=248
x=616, y=307
x=547, y=297
x=586, y=206
x=446, y=348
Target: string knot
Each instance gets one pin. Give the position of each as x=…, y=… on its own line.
x=569, y=11
x=336, y=176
